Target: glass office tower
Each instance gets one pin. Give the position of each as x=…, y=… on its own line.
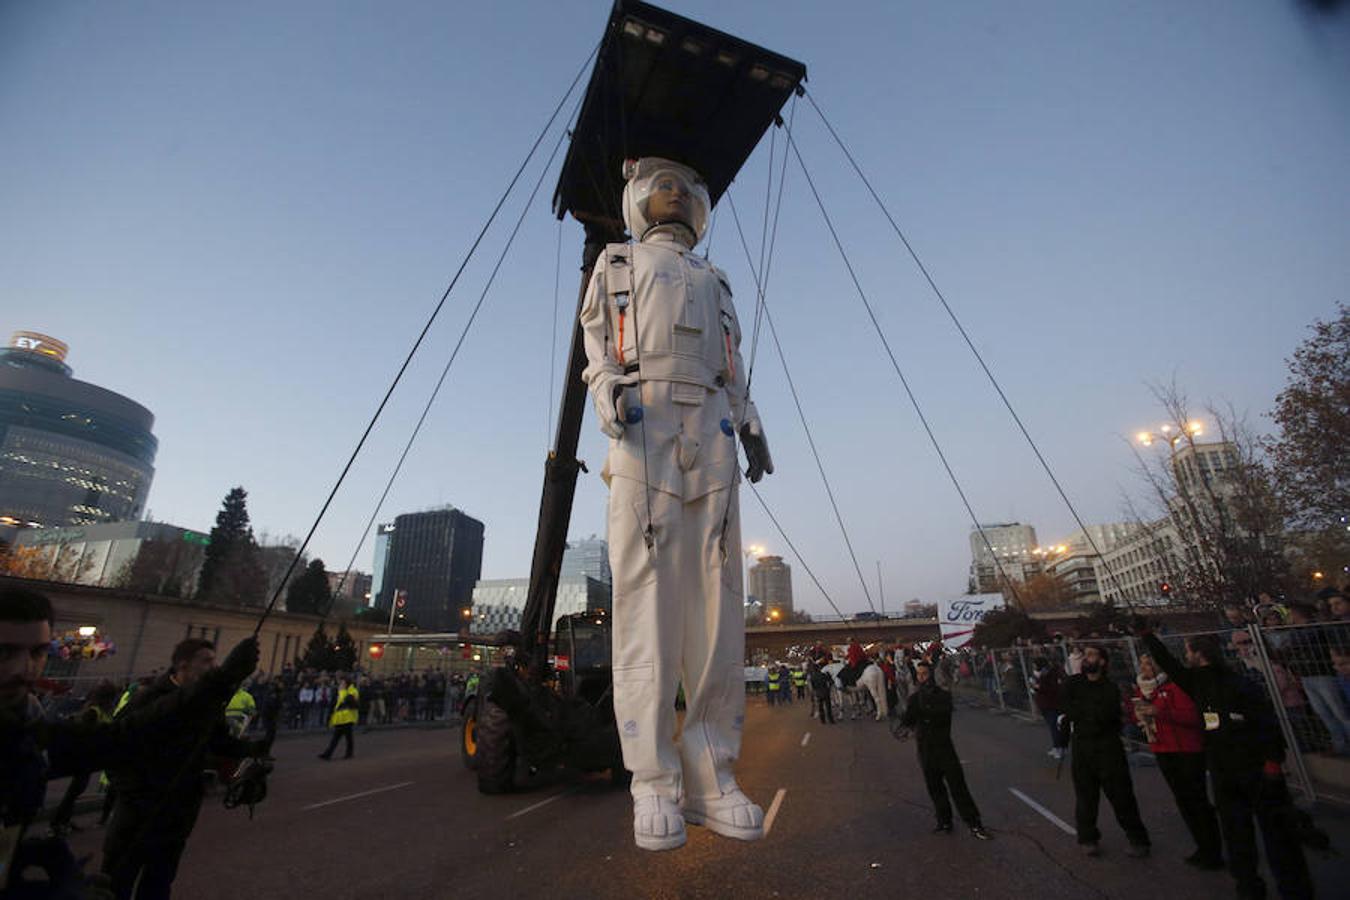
x=71, y=453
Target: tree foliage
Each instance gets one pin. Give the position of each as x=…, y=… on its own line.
x=1039, y=592
x=344, y=650
x=1309, y=457
x=318, y=652
x=162, y=567
x=309, y=593
x=1004, y=626
x=1103, y=619
x=232, y=572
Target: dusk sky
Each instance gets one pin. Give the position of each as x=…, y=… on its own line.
x=240, y=215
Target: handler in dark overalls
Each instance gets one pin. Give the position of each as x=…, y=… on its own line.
x=1092, y=707
x=929, y=713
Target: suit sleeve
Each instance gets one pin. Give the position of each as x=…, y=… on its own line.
x=1180, y=675
x=601, y=366
x=738, y=390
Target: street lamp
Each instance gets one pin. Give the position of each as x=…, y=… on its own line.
x=1170, y=433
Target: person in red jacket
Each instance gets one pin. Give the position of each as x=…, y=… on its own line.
x=856, y=655
x=1175, y=732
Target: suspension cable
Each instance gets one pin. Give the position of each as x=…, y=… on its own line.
x=464, y=333
x=801, y=413
x=951, y=313
x=299, y=552
x=793, y=547
x=763, y=283
x=895, y=364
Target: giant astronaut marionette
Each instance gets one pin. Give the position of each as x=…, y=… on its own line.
x=665, y=373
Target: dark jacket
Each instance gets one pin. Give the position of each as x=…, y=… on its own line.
x=1093, y=708
x=1246, y=734
x=929, y=713
x=1049, y=685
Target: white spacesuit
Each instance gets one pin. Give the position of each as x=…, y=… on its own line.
x=666, y=377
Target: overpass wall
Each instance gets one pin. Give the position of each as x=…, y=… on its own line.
x=145, y=628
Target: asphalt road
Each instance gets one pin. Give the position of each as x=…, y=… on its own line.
x=850, y=817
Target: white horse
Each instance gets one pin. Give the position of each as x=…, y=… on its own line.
x=871, y=682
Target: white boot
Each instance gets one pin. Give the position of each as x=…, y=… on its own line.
x=657, y=823
x=732, y=815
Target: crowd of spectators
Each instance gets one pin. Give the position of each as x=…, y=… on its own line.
x=303, y=699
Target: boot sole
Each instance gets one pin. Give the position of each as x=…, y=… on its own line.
x=670, y=842
x=739, y=832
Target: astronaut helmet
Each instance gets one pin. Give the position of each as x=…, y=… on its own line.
x=677, y=184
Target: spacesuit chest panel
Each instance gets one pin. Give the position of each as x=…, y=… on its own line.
x=674, y=328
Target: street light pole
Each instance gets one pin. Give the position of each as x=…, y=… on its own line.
x=881, y=590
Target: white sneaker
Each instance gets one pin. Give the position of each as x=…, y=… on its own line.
x=1057, y=753
x=657, y=823
x=732, y=815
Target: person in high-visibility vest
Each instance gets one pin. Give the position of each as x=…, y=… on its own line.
x=344, y=717
x=97, y=709
x=240, y=711
x=799, y=682
x=775, y=685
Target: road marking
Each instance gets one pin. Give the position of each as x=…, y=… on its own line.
x=381, y=790
x=773, y=810
x=806, y=739
x=1054, y=819
x=533, y=806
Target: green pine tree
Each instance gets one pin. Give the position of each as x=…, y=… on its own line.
x=318, y=653
x=232, y=571
x=309, y=593
x=344, y=650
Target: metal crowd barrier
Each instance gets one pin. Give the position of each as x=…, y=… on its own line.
x=1303, y=669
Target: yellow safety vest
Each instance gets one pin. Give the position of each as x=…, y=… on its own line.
x=240, y=711
x=347, y=716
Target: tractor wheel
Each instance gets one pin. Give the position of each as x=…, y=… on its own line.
x=468, y=738
x=495, y=758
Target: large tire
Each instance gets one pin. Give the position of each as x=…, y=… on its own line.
x=495, y=760
x=468, y=735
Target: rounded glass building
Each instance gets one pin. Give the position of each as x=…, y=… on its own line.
x=71, y=453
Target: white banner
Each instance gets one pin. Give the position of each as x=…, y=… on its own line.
x=958, y=616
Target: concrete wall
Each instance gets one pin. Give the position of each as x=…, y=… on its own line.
x=145, y=628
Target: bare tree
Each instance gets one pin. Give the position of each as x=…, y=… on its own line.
x=1216, y=497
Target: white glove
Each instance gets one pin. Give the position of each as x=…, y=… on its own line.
x=756, y=450
x=608, y=399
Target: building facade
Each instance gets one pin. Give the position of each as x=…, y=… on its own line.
x=383, y=534
x=1075, y=561
x=351, y=592
x=588, y=557
x=71, y=453
x=152, y=557
x=498, y=603
x=1133, y=570
x=1007, y=548
x=436, y=557
x=771, y=585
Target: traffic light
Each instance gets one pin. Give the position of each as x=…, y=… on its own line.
x=1165, y=588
